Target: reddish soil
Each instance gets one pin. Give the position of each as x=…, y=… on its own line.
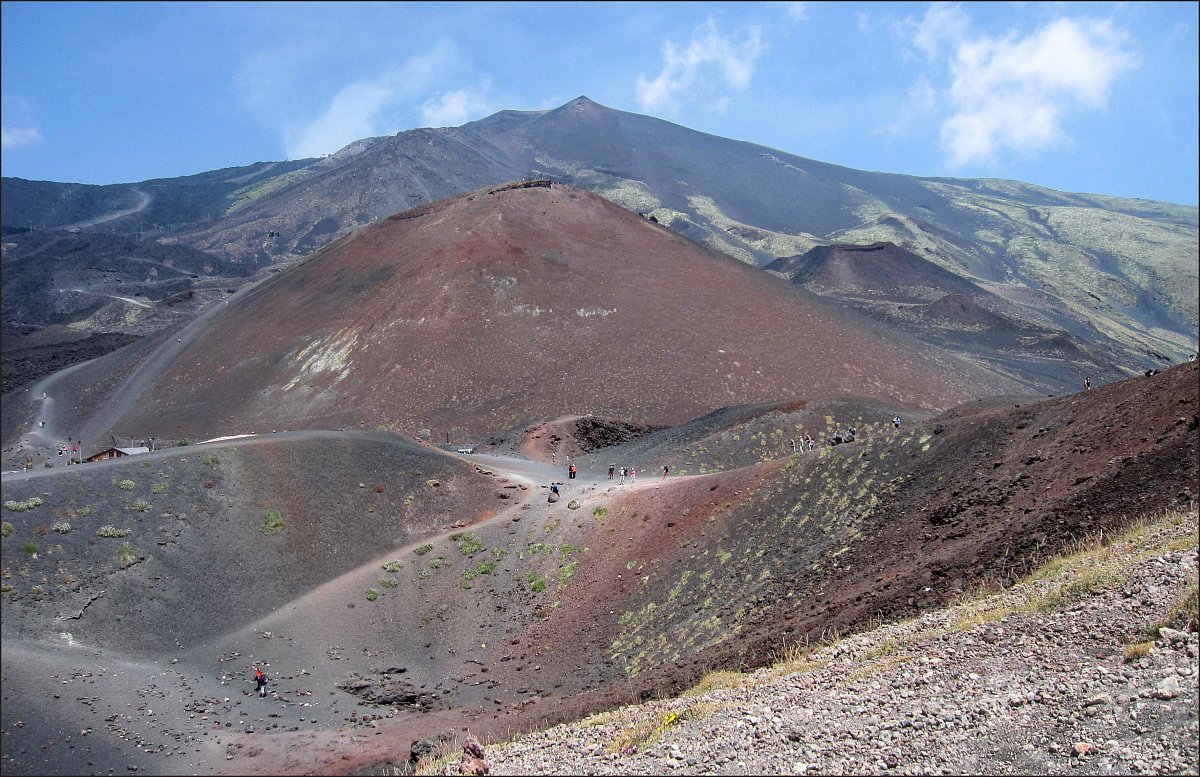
x=647, y=584
x=516, y=310
x=494, y=310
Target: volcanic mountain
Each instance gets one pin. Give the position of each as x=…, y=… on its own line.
x=1122, y=267
x=528, y=301
x=913, y=294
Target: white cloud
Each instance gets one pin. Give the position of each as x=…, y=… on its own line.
x=944, y=24
x=371, y=107
x=700, y=69
x=352, y=114
x=1012, y=93
x=920, y=101
x=15, y=137
x=797, y=12
x=20, y=122
x=454, y=108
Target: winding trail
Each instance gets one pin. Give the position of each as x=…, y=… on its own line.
x=143, y=203
x=130, y=300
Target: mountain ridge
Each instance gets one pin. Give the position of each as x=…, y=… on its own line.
x=1124, y=267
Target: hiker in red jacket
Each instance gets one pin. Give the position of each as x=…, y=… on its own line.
x=260, y=682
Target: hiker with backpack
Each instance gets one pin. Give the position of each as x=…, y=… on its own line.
x=260, y=682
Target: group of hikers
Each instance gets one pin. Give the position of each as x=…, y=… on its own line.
x=799, y=445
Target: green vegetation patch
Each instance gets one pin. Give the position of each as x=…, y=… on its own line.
x=126, y=555
x=272, y=522
x=469, y=544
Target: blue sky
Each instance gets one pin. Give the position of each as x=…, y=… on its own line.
x=1082, y=97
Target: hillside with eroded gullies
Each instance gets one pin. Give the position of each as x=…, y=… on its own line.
x=490, y=310
x=398, y=590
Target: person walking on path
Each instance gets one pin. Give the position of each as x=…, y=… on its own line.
x=260, y=682
x=571, y=471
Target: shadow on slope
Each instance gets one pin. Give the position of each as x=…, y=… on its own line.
x=546, y=611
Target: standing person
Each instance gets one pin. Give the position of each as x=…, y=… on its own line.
x=610, y=472
x=260, y=682
x=632, y=473
x=667, y=471
x=896, y=422
x=623, y=471
x=1087, y=383
x=553, y=456
x=811, y=443
x=571, y=471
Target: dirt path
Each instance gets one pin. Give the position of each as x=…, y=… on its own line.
x=143, y=203
x=131, y=300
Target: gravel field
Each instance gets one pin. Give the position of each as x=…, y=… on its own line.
x=1033, y=680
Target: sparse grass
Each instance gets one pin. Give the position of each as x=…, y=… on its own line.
x=141, y=505
x=483, y=568
x=980, y=617
x=272, y=522
x=600, y=512
x=208, y=459
x=469, y=544
x=1137, y=650
x=1089, y=566
x=389, y=582
x=567, y=571
x=720, y=680
x=30, y=548
x=62, y=527
x=421, y=551
x=158, y=488
x=643, y=734
x=24, y=504
x=438, y=562
x=372, y=594
x=82, y=512
x=393, y=566
x=113, y=531
x=126, y=485
x=1184, y=614
x=878, y=667
x=126, y=555
x=6, y=529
